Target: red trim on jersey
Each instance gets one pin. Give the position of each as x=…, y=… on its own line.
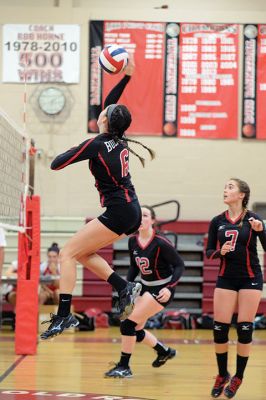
x=213, y=254
x=107, y=168
x=230, y=220
x=155, y=264
x=250, y=272
x=166, y=240
x=75, y=155
x=128, y=199
x=143, y=247
x=172, y=284
x=126, y=194
x=222, y=268
x=101, y=194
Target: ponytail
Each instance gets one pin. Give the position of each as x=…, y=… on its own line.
x=245, y=210
x=119, y=119
x=124, y=140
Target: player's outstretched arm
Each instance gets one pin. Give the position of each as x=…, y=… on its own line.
x=116, y=92
x=85, y=151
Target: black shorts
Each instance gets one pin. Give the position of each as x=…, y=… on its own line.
x=255, y=283
x=154, y=291
x=122, y=218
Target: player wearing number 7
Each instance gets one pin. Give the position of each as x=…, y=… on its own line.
x=109, y=164
x=239, y=282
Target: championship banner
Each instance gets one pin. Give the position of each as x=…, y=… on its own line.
x=254, y=96
x=41, y=53
x=208, y=81
x=144, y=93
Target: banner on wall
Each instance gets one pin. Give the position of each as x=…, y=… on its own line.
x=144, y=93
x=208, y=88
x=186, y=79
x=254, y=88
x=41, y=53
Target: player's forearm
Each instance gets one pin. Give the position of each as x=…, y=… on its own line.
x=71, y=156
x=212, y=254
x=177, y=273
x=117, y=91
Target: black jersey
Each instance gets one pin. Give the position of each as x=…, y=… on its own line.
x=108, y=163
x=158, y=261
x=108, y=160
x=242, y=261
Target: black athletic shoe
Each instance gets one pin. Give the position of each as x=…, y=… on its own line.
x=219, y=385
x=119, y=372
x=58, y=325
x=233, y=387
x=127, y=299
x=161, y=359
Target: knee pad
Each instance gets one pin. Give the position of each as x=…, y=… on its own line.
x=220, y=332
x=244, y=332
x=140, y=335
x=127, y=327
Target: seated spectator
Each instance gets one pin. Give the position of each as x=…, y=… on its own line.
x=49, y=292
x=9, y=290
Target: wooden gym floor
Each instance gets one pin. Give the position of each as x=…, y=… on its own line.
x=72, y=366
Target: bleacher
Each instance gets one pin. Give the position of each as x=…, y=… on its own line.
x=89, y=291
x=195, y=289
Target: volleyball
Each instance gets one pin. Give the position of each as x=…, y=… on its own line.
x=113, y=59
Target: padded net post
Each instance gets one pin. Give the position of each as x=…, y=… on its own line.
x=21, y=213
x=28, y=280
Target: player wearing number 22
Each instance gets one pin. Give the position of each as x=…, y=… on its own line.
x=240, y=282
x=160, y=268
x=108, y=155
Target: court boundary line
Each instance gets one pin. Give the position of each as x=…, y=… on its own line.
x=12, y=367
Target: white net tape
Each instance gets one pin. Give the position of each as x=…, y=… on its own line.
x=13, y=173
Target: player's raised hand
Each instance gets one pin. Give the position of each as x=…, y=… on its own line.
x=256, y=224
x=130, y=68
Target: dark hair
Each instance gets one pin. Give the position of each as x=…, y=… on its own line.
x=54, y=247
x=153, y=215
x=119, y=120
x=243, y=188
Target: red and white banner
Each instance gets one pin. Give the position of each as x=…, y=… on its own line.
x=41, y=53
x=186, y=79
x=208, y=81
x=144, y=93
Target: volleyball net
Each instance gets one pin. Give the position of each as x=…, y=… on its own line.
x=14, y=174
x=20, y=211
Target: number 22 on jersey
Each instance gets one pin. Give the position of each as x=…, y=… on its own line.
x=143, y=263
x=233, y=235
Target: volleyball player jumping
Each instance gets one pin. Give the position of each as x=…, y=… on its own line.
x=108, y=155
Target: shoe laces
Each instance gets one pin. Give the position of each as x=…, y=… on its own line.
x=53, y=318
x=219, y=380
x=113, y=364
x=234, y=384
